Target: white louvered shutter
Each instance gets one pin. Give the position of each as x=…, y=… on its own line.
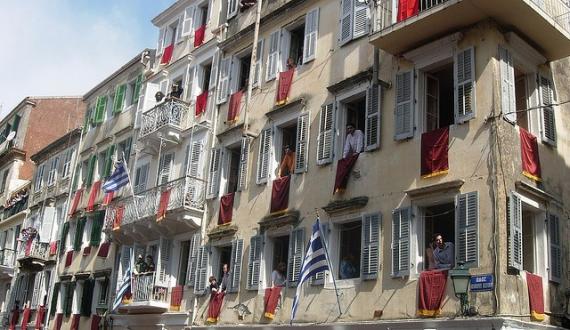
x=258, y=63
x=47, y=224
x=214, y=72
x=263, y=158
x=319, y=278
x=302, y=147
x=124, y=264
x=467, y=220
x=141, y=175
x=232, y=8
x=190, y=87
x=273, y=58
x=311, y=35
x=224, y=80
x=370, y=262
x=346, y=28
x=163, y=86
x=548, y=123
x=187, y=23
x=253, y=267
x=235, y=265
x=243, y=162
x=165, y=168
x=160, y=44
x=194, y=162
x=404, y=112
x=508, y=101
x=372, y=130
x=214, y=175
x=555, y=251
x=38, y=281
x=193, y=259
x=296, y=250
x=360, y=19
x=178, y=36
x=464, y=85
x=202, y=270
x=325, y=138
x=401, y=219
x=515, y=232
x=163, y=267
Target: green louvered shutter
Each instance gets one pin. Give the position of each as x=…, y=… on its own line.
x=97, y=228
x=90, y=170
x=63, y=238
x=54, y=296
x=119, y=98
x=109, y=161
x=79, y=234
x=68, y=302
x=137, y=91
x=100, y=109
x=88, y=286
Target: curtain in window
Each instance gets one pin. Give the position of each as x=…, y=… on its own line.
x=434, y=153
x=529, y=155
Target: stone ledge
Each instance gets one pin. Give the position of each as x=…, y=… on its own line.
x=346, y=205
x=278, y=219
x=222, y=231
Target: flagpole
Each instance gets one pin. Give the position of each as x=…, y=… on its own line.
x=131, y=185
x=329, y=262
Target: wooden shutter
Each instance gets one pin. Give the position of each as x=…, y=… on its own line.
x=235, y=264
x=232, y=8
x=202, y=270
x=467, y=232
x=302, y=147
x=370, y=246
x=100, y=109
x=263, y=159
x=224, y=80
x=90, y=170
x=97, y=229
x=258, y=64
x=508, y=101
x=87, y=297
x=254, y=265
x=296, y=250
x=243, y=161
x=163, y=267
x=548, y=127
x=141, y=175
x=214, y=72
x=79, y=234
x=137, y=90
x=109, y=160
x=165, y=168
x=555, y=251
x=69, y=292
x=187, y=26
x=373, y=102
x=360, y=19
x=346, y=28
x=193, y=259
x=515, y=232
x=194, y=161
x=47, y=224
x=119, y=98
x=273, y=58
x=54, y=296
x=319, y=278
x=464, y=85
x=161, y=41
x=404, y=114
x=63, y=237
x=311, y=35
x=190, y=91
x=325, y=139
x=214, y=175
x=401, y=219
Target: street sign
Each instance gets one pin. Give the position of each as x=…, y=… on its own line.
x=483, y=282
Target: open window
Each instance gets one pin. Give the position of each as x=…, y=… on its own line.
x=240, y=71
x=438, y=96
x=349, y=249
x=292, y=43
x=233, y=161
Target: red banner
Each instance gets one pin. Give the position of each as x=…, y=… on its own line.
x=104, y=250
x=201, y=102
x=14, y=318
x=271, y=299
x=167, y=55
x=163, y=205
x=280, y=194
x=28, y=248
x=431, y=292
x=234, y=107
x=176, y=297
x=407, y=9
x=93, y=196
x=75, y=322
x=199, y=36
x=535, y=296
x=95, y=320
x=76, y=199
x=529, y=155
x=119, y=213
x=52, y=248
x=40, y=316
x=214, y=307
x=226, y=209
x=87, y=250
x=284, y=86
x=343, y=168
x=68, y=258
x=108, y=198
x=26, y=318
x=58, y=321
x=434, y=153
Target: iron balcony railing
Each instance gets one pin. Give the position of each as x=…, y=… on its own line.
x=145, y=290
x=172, y=112
x=185, y=192
x=7, y=258
x=36, y=250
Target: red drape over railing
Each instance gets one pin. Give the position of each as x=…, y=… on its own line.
x=52, y=248
x=95, y=320
x=234, y=107
x=118, y=218
x=226, y=209
x=529, y=155
x=271, y=299
x=40, y=316
x=58, y=321
x=431, y=291
x=75, y=322
x=434, y=158
x=407, y=9
x=535, y=296
x=93, y=196
x=176, y=297
x=280, y=194
x=75, y=203
x=68, y=258
x=167, y=55
x=214, y=307
x=108, y=198
x=199, y=36
x=201, y=102
x=26, y=318
x=343, y=168
x=284, y=86
x=104, y=250
x=163, y=205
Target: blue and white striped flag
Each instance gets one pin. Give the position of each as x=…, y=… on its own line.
x=315, y=261
x=118, y=179
x=123, y=289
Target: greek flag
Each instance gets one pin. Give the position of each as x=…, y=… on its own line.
x=123, y=289
x=118, y=179
x=315, y=261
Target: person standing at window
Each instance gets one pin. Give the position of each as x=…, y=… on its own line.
x=150, y=266
x=278, y=275
x=444, y=253
x=287, y=164
x=225, y=281
x=354, y=142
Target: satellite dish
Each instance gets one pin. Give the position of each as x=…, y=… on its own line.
x=11, y=136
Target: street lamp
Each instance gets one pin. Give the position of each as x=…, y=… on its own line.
x=460, y=277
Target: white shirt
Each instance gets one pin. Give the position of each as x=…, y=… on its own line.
x=354, y=143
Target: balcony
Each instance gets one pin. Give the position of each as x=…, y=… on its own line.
x=60, y=187
x=33, y=255
x=7, y=259
x=183, y=211
x=147, y=297
x=165, y=121
x=544, y=23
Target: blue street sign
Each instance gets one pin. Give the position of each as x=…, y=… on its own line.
x=482, y=283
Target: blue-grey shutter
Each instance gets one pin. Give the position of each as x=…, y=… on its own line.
x=253, y=268
x=514, y=223
x=201, y=276
x=555, y=268
x=401, y=219
x=264, y=156
x=325, y=139
x=215, y=171
x=467, y=221
x=296, y=250
x=302, y=149
x=548, y=127
x=404, y=111
x=370, y=246
x=235, y=265
x=243, y=163
x=345, y=24
x=508, y=101
x=193, y=259
x=464, y=85
x=373, y=102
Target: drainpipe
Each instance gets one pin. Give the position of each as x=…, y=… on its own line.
x=252, y=72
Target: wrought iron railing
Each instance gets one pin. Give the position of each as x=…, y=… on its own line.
x=36, y=250
x=144, y=289
x=172, y=112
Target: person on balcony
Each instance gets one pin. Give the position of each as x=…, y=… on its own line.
x=288, y=162
x=444, y=253
x=278, y=275
x=150, y=266
x=176, y=91
x=159, y=96
x=225, y=281
x=140, y=266
x=354, y=142
x=430, y=261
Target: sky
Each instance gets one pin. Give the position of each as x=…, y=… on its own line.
x=66, y=47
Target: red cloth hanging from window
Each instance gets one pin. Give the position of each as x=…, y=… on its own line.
x=214, y=307
x=431, y=291
x=529, y=155
x=40, y=317
x=167, y=55
x=280, y=194
x=26, y=318
x=118, y=218
x=76, y=199
x=75, y=322
x=226, y=209
x=68, y=258
x=87, y=250
x=108, y=198
x=58, y=321
x=201, y=102
x=535, y=296
x=234, y=107
x=407, y=9
x=434, y=153
x=28, y=246
x=284, y=86
x=52, y=248
x=176, y=297
x=14, y=318
x=104, y=250
x=199, y=35
x=93, y=196
x=95, y=320
x=343, y=168
x=271, y=299
x=163, y=205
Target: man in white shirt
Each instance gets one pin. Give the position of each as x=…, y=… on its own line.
x=354, y=142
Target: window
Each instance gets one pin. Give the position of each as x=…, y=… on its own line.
x=141, y=176
x=110, y=106
x=66, y=170
x=349, y=250
x=233, y=6
x=101, y=160
x=202, y=15
x=39, y=177
x=103, y=288
x=52, y=175
x=233, y=169
x=438, y=95
x=354, y=19
x=165, y=168
x=242, y=67
x=4, y=180
x=183, y=265
x=124, y=150
x=295, y=36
